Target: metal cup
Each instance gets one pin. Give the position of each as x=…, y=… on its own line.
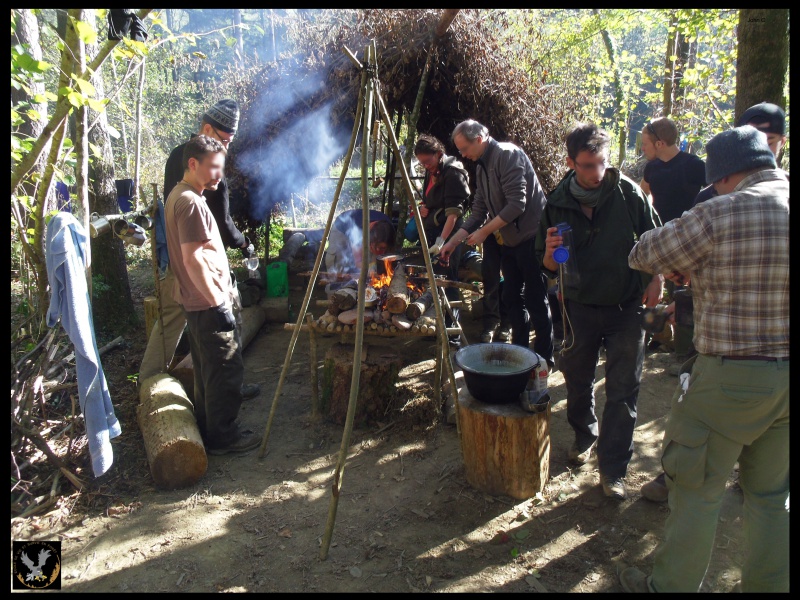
x=144, y=222
x=98, y=225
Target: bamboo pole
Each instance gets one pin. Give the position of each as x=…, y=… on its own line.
x=338, y=474
x=440, y=327
x=315, y=270
x=312, y=343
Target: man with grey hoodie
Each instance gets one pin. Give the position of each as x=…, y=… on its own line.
x=506, y=209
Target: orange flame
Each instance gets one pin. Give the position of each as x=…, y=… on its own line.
x=381, y=281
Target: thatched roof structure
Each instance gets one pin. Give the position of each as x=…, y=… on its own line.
x=472, y=77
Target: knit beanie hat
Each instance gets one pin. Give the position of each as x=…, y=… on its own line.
x=771, y=114
x=224, y=115
x=737, y=150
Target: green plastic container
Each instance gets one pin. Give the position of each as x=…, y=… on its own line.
x=277, y=280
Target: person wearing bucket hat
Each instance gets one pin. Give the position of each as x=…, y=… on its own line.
x=220, y=122
x=770, y=119
x=766, y=117
x=734, y=404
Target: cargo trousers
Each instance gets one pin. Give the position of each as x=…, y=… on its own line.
x=218, y=373
x=731, y=410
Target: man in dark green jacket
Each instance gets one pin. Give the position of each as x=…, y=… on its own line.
x=602, y=298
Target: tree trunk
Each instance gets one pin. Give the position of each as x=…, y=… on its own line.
x=81, y=144
x=23, y=168
x=27, y=32
x=112, y=304
x=669, y=66
x=237, y=22
x=762, y=60
x=618, y=107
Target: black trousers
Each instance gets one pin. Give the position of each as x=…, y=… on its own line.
x=494, y=310
x=525, y=298
x=218, y=374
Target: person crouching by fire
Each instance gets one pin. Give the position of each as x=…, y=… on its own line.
x=345, y=241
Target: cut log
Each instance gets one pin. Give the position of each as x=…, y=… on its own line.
x=377, y=383
x=291, y=246
x=150, y=314
x=342, y=299
x=312, y=234
x=401, y=322
x=506, y=450
x=276, y=309
x=172, y=441
x=349, y=317
x=419, y=306
x=397, y=295
x=253, y=318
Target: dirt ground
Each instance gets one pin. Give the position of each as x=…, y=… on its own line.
x=407, y=519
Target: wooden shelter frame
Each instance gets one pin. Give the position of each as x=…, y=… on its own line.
x=369, y=98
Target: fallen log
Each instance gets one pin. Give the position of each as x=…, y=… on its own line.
x=172, y=441
x=397, y=294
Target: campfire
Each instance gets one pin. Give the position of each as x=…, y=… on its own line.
x=394, y=302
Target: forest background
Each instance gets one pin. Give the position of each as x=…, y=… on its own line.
x=87, y=111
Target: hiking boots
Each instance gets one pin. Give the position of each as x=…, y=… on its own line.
x=580, y=456
x=634, y=581
x=503, y=334
x=656, y=490
x=245, y=442
x=250, y=390
x=486, y=336
x=614, y=487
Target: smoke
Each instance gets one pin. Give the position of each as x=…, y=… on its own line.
x=293, y=157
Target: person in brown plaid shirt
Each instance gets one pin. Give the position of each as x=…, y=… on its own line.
x=734, y=405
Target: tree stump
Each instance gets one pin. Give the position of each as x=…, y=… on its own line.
x=175, y=450
x=506, y=450
x=150, y=314
x=380, y=369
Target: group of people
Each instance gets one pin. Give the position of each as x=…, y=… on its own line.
x=732, y=248
x=198, y=290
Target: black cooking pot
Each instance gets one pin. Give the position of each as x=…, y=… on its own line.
x=496, y=373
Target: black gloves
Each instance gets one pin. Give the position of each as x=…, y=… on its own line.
x=225, y=317
x=248, y=251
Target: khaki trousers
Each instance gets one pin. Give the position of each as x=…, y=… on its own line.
x=732, y=410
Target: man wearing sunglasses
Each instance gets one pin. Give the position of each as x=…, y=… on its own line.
x=219, y=122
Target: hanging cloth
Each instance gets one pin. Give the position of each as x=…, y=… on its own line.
x=69, y=299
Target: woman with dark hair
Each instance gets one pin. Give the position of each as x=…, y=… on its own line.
x=445, y=194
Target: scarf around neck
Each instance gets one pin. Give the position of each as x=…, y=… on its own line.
x=589, y=198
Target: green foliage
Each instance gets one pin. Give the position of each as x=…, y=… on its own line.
x=99, y=285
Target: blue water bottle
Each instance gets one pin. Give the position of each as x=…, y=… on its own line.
x=564, y=255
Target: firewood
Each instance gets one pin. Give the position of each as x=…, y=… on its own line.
x=331, y=327
x=386, y=316
x=349, y=317
x=419, y=306
x=397, y=297
x=401, y=322
x=342, y=299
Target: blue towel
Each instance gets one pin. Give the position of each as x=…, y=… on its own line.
x=69, y=299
